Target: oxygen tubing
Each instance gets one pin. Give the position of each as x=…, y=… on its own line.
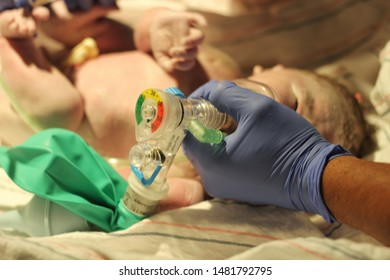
x=18, y=108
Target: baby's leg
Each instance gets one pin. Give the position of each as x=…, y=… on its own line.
x=21, y=23
x=39, y=91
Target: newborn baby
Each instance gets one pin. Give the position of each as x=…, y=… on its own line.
x=327, y=105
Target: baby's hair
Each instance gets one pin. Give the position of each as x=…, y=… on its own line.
x=354, y=128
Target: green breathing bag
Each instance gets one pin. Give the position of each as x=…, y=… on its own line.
x=59, y=166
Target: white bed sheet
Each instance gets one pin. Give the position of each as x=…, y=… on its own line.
x=208, y=230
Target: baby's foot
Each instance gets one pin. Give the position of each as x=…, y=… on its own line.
x=20, y=23
x=15, y=24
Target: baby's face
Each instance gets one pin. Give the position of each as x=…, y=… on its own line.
x=317, y=100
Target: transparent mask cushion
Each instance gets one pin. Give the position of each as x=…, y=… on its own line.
x=255, y=86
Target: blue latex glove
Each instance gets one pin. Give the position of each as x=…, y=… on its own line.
x=275, y=157
x=87, y=4
x=13, y=4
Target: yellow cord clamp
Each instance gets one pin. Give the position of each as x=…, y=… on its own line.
x=83, y=51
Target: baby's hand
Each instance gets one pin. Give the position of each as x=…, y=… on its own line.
x=174, y=39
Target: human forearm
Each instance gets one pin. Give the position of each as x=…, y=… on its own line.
x=357, y=192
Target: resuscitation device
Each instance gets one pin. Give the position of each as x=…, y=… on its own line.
x=162, y=121
x=78, y=190
x=13, y=4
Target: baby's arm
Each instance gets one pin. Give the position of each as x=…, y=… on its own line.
x=172, y=36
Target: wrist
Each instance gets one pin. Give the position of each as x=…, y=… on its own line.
x=307, y=177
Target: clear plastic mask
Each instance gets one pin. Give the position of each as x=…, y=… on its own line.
x=255, y=86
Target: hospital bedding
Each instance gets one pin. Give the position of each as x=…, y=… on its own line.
x=299, y=33
x=209, y=230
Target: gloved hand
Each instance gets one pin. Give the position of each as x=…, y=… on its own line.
x=275, y=157
x=174, y=39
x=13, y=4
x=70, y=28
x=87, y=4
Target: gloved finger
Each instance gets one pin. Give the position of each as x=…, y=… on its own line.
x=204, y=156
x=203, y=152
x=204, y=90
x=12, y=4
x=229, y=98
x=87, y=4
x=93, y=14
x=107, y=3
x=213, y=87
x=72, y=4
